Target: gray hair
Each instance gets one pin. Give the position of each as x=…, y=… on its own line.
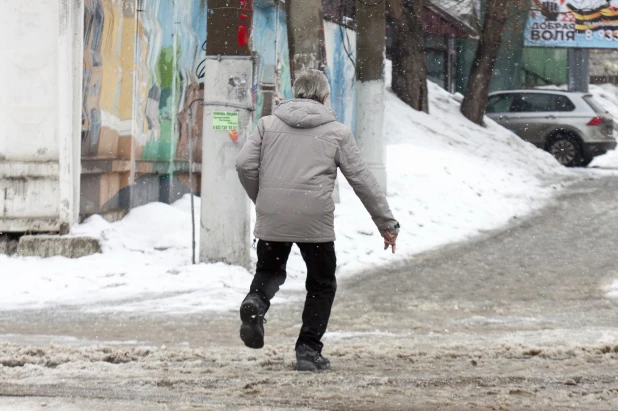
x=311, y=84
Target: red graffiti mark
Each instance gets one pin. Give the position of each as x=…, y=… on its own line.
x=244, y=9
x=246, y=6
x=243, y=35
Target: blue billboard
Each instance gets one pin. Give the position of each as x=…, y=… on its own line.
x=573, y=23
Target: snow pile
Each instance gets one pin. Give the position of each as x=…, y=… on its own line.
x=449, y=180
x=145, y=265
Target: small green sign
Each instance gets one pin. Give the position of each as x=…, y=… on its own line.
x=224, y=120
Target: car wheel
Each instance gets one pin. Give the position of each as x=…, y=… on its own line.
x=586, y=159
x=566, y=149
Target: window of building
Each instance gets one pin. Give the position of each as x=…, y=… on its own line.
x=436, y=49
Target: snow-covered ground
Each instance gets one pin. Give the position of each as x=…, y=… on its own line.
x=449, y=180
x=147, y=254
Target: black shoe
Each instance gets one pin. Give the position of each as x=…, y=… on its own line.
x=308, y=359
x=252, y=312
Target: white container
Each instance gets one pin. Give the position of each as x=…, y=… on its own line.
x=40, y=114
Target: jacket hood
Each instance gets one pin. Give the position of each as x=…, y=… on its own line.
x=304, y=113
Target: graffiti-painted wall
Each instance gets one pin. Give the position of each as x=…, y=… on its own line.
x=141, y=72
x=340, y=54
x=270, y=40
x=143, y=69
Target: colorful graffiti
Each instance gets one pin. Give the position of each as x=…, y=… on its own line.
x=141, y=61
x=341, y=71
x=143, y=69
x=271, y=41
x=91, y=117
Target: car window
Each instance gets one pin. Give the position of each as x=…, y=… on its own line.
x=596, y=106
x=535, y=103
x=563, y=103
x=500, y=103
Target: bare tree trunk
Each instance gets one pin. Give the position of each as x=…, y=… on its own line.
x=408, y=52
x=477, y=90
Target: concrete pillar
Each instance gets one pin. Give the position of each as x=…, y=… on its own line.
x=578, y=66
x=306, y=35
x=71, y=51
x=370, y=43
x=224, y=234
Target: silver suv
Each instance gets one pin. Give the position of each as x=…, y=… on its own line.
x=572, y=126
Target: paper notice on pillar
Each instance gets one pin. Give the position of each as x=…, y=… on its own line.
x=224, y=120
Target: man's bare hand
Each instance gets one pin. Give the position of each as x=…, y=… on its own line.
x=390, y=240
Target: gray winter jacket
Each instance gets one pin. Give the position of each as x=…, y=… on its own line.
x=288, y=168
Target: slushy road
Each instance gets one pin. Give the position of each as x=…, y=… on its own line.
x=518, y=318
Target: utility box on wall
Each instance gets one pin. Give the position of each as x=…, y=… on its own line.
x=40, y=114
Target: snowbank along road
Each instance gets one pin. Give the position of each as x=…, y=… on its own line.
x=519, y=319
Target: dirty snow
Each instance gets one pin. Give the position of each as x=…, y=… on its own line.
x=468, y=370
x=449, y=180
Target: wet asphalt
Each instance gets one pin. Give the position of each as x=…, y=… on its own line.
x=531, y=297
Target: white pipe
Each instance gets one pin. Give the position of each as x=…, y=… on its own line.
x=191, y=183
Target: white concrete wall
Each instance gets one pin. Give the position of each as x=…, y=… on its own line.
x=40, y=114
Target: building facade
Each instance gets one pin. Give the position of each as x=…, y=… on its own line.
x=445, y=22
x=137, y=70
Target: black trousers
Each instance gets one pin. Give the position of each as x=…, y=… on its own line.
x=321, y=284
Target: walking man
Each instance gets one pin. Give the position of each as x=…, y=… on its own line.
x=288, y=169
